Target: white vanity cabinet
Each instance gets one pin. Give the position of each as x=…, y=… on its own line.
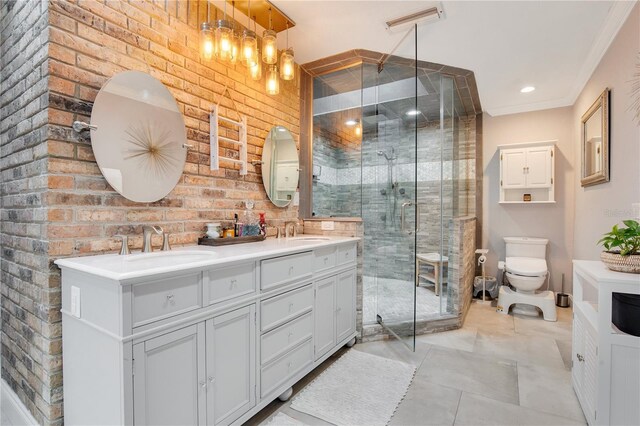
x=169, y=378
x=605, y=361
x=527, y=168
x=210, y=342
x=335, y=311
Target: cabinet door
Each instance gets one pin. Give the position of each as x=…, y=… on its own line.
x=538, y=167
x=513, y=168
x=325, y=317
x=577, y=347
x=590, y=371
x=169, y=379
x=231, y=365
x=345, y=305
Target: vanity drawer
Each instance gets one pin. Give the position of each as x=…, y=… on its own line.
x=347, y=253
x=227, y=283
x=280, y=309
x=285, y=337
x=281, y=270
x=285, y=368
x=165, y=298
x=324, y=258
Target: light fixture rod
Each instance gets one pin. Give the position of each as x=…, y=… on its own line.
x=432, y=11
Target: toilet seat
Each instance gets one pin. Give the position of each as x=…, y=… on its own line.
x=526, y=266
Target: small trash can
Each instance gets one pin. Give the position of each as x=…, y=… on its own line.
x=490, y=286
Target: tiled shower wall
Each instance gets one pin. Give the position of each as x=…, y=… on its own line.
x=345, y=188
x=56, y=56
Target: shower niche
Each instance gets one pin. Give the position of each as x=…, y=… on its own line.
x=394, y=143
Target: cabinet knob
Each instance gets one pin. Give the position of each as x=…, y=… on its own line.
x=290, y=306
x=170, y=298
x=234, y=283
x=203, y=384
x=580, y=357
x=291, y=270
x=211, y=379
x=346, y=254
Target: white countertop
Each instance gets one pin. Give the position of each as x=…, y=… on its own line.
x=135, y=265
x=599, y=272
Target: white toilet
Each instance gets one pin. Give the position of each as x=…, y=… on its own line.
x=526, y=270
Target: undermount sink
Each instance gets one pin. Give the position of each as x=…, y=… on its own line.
x=314, y=238
x=172, y=256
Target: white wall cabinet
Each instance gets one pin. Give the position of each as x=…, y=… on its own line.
x=605, y=368
x=210, y=345
x=527, y=169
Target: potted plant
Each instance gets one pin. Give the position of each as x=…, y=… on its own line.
x=623, y=255
x=623, y=248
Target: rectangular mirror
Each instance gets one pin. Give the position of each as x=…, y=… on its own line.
x=595, y=142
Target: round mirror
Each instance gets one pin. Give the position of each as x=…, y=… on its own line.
x=280, y=166
x=138, y=137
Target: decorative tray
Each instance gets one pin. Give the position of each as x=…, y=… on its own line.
x=230, y=241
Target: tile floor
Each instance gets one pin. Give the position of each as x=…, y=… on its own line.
x=393, y=299
x=497, y=370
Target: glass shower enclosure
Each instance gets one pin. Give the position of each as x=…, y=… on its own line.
x=385, y=144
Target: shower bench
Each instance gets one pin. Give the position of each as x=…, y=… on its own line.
x=435, y=261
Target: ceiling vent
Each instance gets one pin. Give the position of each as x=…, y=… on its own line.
x=431, y=14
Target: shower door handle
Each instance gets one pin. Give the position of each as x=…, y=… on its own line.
x=403, y=220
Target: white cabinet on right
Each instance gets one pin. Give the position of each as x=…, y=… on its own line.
x=527, y=172
x=605, y=360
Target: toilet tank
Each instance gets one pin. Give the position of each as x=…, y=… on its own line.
x=526, y=247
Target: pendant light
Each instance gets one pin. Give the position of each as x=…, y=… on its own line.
x=249, y=43
x=235, y=38
x=269, y=45
x=255, y=69
x=207, y=42
x=272, y=81
x=223, y=35
x=287, y=64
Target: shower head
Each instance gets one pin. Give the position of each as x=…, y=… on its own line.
x=386, y=156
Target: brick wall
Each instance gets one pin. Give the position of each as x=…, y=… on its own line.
x=93, y=40
x=30, y=339
x=56, y=55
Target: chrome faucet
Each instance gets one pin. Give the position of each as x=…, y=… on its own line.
x=147, y=232
x=293, y=226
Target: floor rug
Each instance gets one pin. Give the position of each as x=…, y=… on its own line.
x=357, y=389
x=282, y=419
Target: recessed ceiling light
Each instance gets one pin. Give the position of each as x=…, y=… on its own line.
x=413, y=112
x=527, y=89
x=351, y=122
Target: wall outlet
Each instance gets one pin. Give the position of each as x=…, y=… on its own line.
x=296, y=199
x=75, y=302
x=327, y=225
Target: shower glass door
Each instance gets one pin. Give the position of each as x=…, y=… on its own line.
x=389, y=117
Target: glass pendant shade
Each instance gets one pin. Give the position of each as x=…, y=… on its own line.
x=235, y=48
x=224, y=43
x=287, y=65
x=255, y=69
x=207, y=42
x=249, y=47
x=269, y=47
x=272, y=83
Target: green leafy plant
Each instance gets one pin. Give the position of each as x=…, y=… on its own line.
x=625, y=240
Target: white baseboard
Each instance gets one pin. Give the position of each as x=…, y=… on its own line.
x=12, y=410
